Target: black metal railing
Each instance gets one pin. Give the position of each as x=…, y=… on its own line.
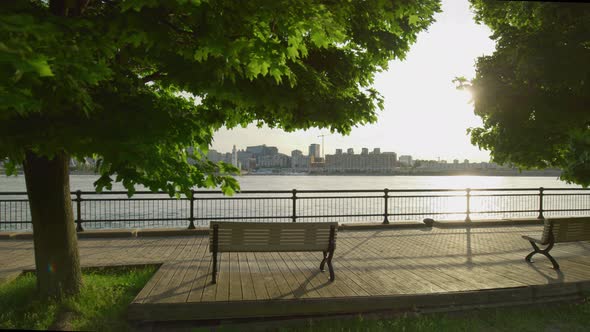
x=153, y=210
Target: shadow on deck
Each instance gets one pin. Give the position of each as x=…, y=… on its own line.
x=376, y=270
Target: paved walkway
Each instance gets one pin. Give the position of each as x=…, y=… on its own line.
x=369, y=264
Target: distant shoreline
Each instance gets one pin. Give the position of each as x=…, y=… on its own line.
x=511, y=172
x=540, y=173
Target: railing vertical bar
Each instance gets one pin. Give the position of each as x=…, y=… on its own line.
x=192, y=211
x=468, y=198
x=386, y=211
x=78, y=211
x=294, y=215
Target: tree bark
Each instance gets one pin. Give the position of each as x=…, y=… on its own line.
x=54, y=232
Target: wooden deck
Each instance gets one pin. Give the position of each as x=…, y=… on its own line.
x=375, y=270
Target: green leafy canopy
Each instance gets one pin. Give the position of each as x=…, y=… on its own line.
x=110, y=78
x=533, y=92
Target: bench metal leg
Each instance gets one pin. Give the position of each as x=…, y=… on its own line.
x=544, y=252
x=329, y=261
x=323, y=261
x=214, y=280
x=214, y=250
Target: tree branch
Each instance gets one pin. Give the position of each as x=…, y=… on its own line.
x=152, y=77
x=175, y=28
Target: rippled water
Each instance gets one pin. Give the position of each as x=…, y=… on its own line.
x=308, y=207
x=299, y=182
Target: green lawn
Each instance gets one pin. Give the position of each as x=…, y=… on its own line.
x=547, y=317
x=101, y=305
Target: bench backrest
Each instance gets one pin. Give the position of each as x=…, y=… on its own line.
x=570, y=229
x=271, y=236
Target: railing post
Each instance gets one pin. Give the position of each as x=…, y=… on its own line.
x=294, y=215
x=468, y=212
x=386, y=196
x=79, y=212
x=192, y=214
x=541, y=189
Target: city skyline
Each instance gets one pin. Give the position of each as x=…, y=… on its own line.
x=336, y=151
x=264, y=159
x=424, y=116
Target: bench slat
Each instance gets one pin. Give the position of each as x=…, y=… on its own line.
x=270, y=248
x=256, y=237
x=571, y=229
x=271, y=225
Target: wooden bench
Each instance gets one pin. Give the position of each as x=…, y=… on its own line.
x=557, y=230
x=273, y=237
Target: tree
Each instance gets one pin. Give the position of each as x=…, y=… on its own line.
x=134, y=83
x=533, y=92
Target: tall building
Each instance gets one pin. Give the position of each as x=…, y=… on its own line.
x=338, y=151
x=364, y=151
x=406, y=160
x=350, y=151
x=246, y=160
x=262, y=150
x=376, y=151
x=364, y=162
x=278, y=160
x=299, y=162
x=214, y=156
x=314, y=151
x=234, y=157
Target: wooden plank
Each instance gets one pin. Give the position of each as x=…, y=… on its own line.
x=163, y=275
x=321, y=280
x=248, y=292
x=358, y=285
x=289, y=276
x=222, y=285
x=156, y=278
x=271, y=284
x=274, y=271
x=348, y=256
x=208, y=288
x=193, y=271
x=305, y=288
x=235, y=278
x=259, y=285
x=345, y=280
x=169, y=280
x=386, y=276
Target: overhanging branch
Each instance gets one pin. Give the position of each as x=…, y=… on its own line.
x=152, y=77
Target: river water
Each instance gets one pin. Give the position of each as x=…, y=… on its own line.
x=303, y=182
x=115, y=211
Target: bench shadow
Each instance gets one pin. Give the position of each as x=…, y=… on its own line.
x=560, y=276
x=302, y=289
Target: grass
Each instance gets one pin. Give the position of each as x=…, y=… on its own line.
x=100, y=306
x=546, y=317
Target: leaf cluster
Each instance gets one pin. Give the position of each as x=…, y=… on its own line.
x=533, y=92
x=134, y=83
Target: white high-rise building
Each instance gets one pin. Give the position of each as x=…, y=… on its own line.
x=234, y=157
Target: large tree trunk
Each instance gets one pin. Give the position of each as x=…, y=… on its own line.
x=54, y=232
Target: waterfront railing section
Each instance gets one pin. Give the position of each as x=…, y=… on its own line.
x=155, y=210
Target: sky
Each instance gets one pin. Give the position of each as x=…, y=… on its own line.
x=425, y=116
